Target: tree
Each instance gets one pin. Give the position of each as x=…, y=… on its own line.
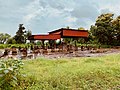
x=28, y=33
x=103, y=30
x=81, y=28
x=67, y=27
x=20, y=35
x=116, y=25
x=11, y=41
x=4, y=37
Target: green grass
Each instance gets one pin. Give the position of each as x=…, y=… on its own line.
x=92, y=73
x=3, y=46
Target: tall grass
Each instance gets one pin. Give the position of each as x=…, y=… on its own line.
x=92, y=73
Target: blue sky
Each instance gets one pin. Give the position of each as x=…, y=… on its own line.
x=41, y=16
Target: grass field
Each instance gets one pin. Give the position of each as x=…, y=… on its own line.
x=91, y=73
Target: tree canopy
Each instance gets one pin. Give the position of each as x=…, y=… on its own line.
x=106, y=29
x=20, y=35
x=4, y=37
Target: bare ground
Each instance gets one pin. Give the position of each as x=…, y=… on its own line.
x=79, y=53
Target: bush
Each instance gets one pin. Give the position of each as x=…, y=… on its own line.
x=10, y=73
x=106, y=46
x=3, y=46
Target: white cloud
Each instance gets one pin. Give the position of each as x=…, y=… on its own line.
x=42, y=16
x=47, y=15
x=71, y=19
x=29, y=17
x=31, y=11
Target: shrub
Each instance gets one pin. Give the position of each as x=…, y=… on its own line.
x=2, y=46
x=10, y=73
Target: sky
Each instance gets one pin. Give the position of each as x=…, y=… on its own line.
x=42, y=16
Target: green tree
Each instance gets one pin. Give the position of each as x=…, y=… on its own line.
x=20, y=35
x=81, y=28
x=67, y=27
x=28, y=33
x=11, y=41
x=4, y=37
x=103, y=30
x=116, y=25
x=80, y=40
x=68, y=40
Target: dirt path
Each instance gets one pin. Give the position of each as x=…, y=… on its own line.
x=79, y=53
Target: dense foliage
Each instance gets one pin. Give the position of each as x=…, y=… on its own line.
x=116, y=25
x=3, y=46
x=10, y=74
x=4, y=37
x=22, y=35
x=106, y=30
